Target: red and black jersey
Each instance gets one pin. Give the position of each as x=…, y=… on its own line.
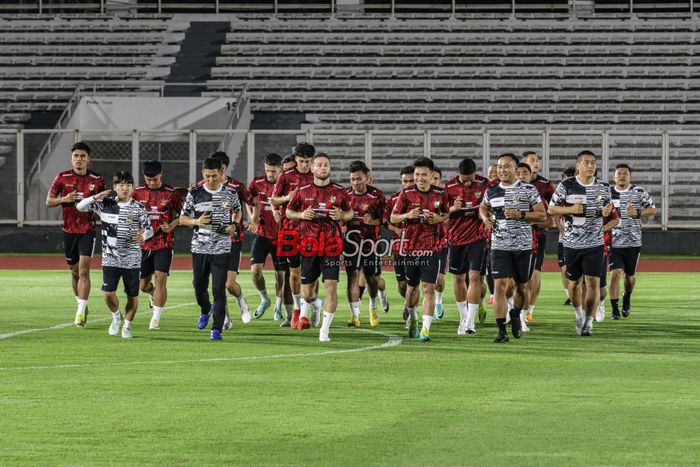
x=387, y=216
x=372, y=202
x=289, y=181
x=261, y=189
x=608, y=234
x=419, y=234
x=481, y=178
x=465, y=225
x=321, y=199
x=163, y=206
x=537, y=229
x=244, y=197
x=74, y=221
x=544, y=187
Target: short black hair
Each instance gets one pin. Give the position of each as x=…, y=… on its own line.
x=319, y=155
x=424, y=162
x=152, y=168
x=305, y=150
x=288, y=159
x=358, y=166
x=523, y=165
x=510, y=155
x=624, y=166
x=273, y=159
x=467, y=166
x=527, y=153
x=80, y=146
x=585, y=153
x=212, y=163
x=568, y=172
x=407, y=170
x=221, y=156
x=122, y=177
x=438, y=170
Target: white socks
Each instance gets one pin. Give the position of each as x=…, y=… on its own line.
x=297, y=301
x=278, y=302
x=355, y=309
x=438, y=297
x=117, y=314
x=412, y=313
x=127, y=324
x=289, y=309
x=427, y=320
x=263, y=295
x=579, y=313
x=373, y=302
x=304, y=309
x=462, y=308
x=82, y=304
x=472, y=308
x=530, y=309
x=157, y=310
x=327, y=320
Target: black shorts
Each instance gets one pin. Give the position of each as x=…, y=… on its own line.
x=541, y=245
x=313, y=266
x=444, y=254
x=262, y=246
x=470, y=257
x=422, y=269
x=400, y=267
x=77, y=245
x=512, y=264
x=625, y=258
x=293, y=261
x=560, y=255
x=368, y=263
x=234, y=259
x=486, y=264
x=604, y=273
x=156, y=260
x=130, y=277
x=583, y=262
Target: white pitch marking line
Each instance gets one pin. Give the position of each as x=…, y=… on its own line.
x=393, y=341
x=66, y=325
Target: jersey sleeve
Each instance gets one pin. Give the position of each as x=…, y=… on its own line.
x=486, y=200
x=559, y=196
x=244, y=195
x=56, y=186
x=400, y=204
x=175, y=205
x=645, y=200
x=294, y=203
x=235, y=203
x=100, y=185
x=381, y=205
x=534, y=196
x=145, y=223
x=344, y=201
x=188, y=206
x=280, y=186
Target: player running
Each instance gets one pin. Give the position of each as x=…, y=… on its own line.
x=319, y=207
x=467, y=240
x=583, y=201
x=508, y=209
x=422, y=208
x=163, y=205
x=125, y=224
x=632, y=203
x=436, y=180
x=68, y=188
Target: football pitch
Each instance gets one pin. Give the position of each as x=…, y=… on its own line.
x=630, y=394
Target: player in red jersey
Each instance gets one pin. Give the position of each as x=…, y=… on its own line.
x=362, y=235
x=68, y=188
x=320, y=207
x=237, y=234
x=289, y=182
x=265, y=227
x=397, y=232
x=546, y=189
x=163, y=205
x=436, y=180
x=467, y=240
x=422, y=207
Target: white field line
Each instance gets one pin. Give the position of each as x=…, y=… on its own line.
x=393, y=341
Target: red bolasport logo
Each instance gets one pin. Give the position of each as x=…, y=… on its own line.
x=290, y=242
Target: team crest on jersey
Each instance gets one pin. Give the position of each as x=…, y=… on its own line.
x=331, y=199
x=91, y=186
x=436, y=204
x=599, y=198
x=163, y=202
x=131, y=218
x=477, y=194
x=365, y=206
x=225, y=204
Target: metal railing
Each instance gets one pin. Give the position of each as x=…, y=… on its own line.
x=663, y=161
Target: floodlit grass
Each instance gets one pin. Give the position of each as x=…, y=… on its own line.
x=628, y=395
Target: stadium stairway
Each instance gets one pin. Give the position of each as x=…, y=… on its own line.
x=197, y=55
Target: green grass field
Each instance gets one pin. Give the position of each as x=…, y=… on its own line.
x=629, y=395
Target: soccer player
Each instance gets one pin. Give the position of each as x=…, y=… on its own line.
x=237, y=234
x=68, y=188
x=583, y=201
x=422, y=207
x=492, y=173
x=436, y=180
x=265, y=227
x=397, y=239
x=546, y=189
x=319, y=207
x=361, y=239
x=163, y=205
x=632, y=203
x=467, y=240
x=125, y=224
x=508, y=209
x=290, y=181
x=559, y=223
x=214, y=211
